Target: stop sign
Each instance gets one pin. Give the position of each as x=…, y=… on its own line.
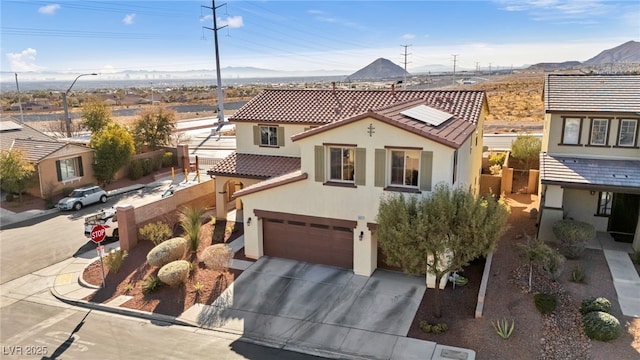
x=98, y=233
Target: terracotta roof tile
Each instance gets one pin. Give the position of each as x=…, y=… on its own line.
x=317, y=107
x=255, y=166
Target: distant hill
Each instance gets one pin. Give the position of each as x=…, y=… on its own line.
x=628, y=52
x=378, y=70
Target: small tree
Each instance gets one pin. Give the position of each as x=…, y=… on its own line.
x=534, y=252
x=526, y=148
x=439, y=233
x=114, y=148
x=95, y=115
x=16, y=172
x=154, y=128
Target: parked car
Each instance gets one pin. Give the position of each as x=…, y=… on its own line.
x=82, y=197
x=107, y=218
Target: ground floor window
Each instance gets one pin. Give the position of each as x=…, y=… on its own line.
x=604, y=203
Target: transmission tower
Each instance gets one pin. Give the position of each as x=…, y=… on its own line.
x=215, y=38
x=404, y=82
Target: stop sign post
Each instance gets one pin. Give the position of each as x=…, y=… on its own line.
x=98, y=233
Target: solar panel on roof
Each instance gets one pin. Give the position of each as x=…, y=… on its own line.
x=7, y=125
x=427, y=115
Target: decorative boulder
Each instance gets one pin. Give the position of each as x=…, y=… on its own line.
x=217, y=257
x=168, y=251
x=175, y=272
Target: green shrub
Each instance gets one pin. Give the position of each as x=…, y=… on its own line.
x=167, y=159
x=553, y=264
x=151, y=284
x=545, y=303
x=577, y=274
x=573, y=236
x=156, y=163
x=156, y=232
x=114, y=259
x=595, y=304
x=503, y=328
x=167, y=251
x=190, y=219
x=601, y=326
x=175, y=272
x=135, y=170
x=433, y=329
x=497, y=158
x=147, y=166
x=9, y=197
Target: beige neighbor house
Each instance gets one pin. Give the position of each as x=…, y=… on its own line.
x=58, y=165
x=590, y=160
x=312, y=165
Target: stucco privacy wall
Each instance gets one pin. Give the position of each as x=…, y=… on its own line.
x=198, y=195
x=308, y=197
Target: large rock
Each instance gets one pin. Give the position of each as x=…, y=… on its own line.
x=168, y=251
x=175, y=272
x=217, y=257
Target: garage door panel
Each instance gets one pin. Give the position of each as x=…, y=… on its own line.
x=311, y=242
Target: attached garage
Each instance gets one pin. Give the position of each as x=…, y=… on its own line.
x=306, y=238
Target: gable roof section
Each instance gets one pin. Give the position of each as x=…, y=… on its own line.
x=592, y=93
x=317, y=107
x=452, y=132
x=36, y=150
x=14, y=129
x=585, y=172
x=255, y=166
x=272, y=183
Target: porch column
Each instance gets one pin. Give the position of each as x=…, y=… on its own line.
x=551, y=211
x=127, y=227
x=221, y=198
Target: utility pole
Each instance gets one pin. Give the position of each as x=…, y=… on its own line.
x=455, y=57
x=404, y=82
x=19, y=99
x=215, y=38
x=477, y=67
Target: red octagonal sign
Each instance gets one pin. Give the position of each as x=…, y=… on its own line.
x=98, y=233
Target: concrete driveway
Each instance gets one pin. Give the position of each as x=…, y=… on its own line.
x=289, y=303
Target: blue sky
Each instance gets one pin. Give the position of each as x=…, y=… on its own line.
x=110, y=36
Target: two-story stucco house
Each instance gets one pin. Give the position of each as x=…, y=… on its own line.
x=590, y=160
x=312, y=165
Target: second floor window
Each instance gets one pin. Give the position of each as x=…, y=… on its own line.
x=571, y=131
x=269, y=135
x=599, y=131
x=628, y=131
x=405, y=165
x=341, y=163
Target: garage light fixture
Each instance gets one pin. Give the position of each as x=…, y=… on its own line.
x=249, y=222
x=361, y=235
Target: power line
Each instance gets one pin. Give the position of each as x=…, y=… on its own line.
x=404, y=82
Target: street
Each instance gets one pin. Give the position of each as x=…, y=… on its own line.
x=30, y=330
x=37, y=243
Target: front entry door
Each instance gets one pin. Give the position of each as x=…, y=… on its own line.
x=624, y=216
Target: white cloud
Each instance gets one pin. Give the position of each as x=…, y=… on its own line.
x=24, y=60
x=582, y=11
x=233, y=22
x=128, y=19
x=48, y=9
x=107, y=69
x=206, y=18
x=408, y=36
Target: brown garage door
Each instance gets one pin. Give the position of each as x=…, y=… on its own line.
x=316, y=242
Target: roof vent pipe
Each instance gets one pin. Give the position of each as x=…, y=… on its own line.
x=393, y=88
x=333, y=86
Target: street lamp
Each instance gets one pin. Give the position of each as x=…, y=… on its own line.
x=67, y=120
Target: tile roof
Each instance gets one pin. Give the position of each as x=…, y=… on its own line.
x=272, y=183
x=13, y=129
x=317, y=107
x=255, y=166
x=592, y=93
x=37, y=150
x=586, y=171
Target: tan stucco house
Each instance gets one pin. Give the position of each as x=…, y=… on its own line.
x=590, y=160
x=312, y=165
x=58, y=165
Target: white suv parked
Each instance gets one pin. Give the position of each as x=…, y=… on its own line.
x=82, y=197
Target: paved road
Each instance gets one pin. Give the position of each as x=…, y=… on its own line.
x=37, y=243
x=37, y=331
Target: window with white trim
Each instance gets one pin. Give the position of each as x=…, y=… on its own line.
x=628, y=132
x=341, y=163
x=571, y=131
x=599, y=131
x=405, y=168
x=269, y=135
x=604, y=203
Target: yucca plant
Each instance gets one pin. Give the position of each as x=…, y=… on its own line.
x=151, y=284
x=503, y=328
x=190, y=219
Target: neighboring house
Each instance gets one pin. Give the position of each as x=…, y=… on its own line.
x=312, y=165
x=590, y=160
x=59, y=165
